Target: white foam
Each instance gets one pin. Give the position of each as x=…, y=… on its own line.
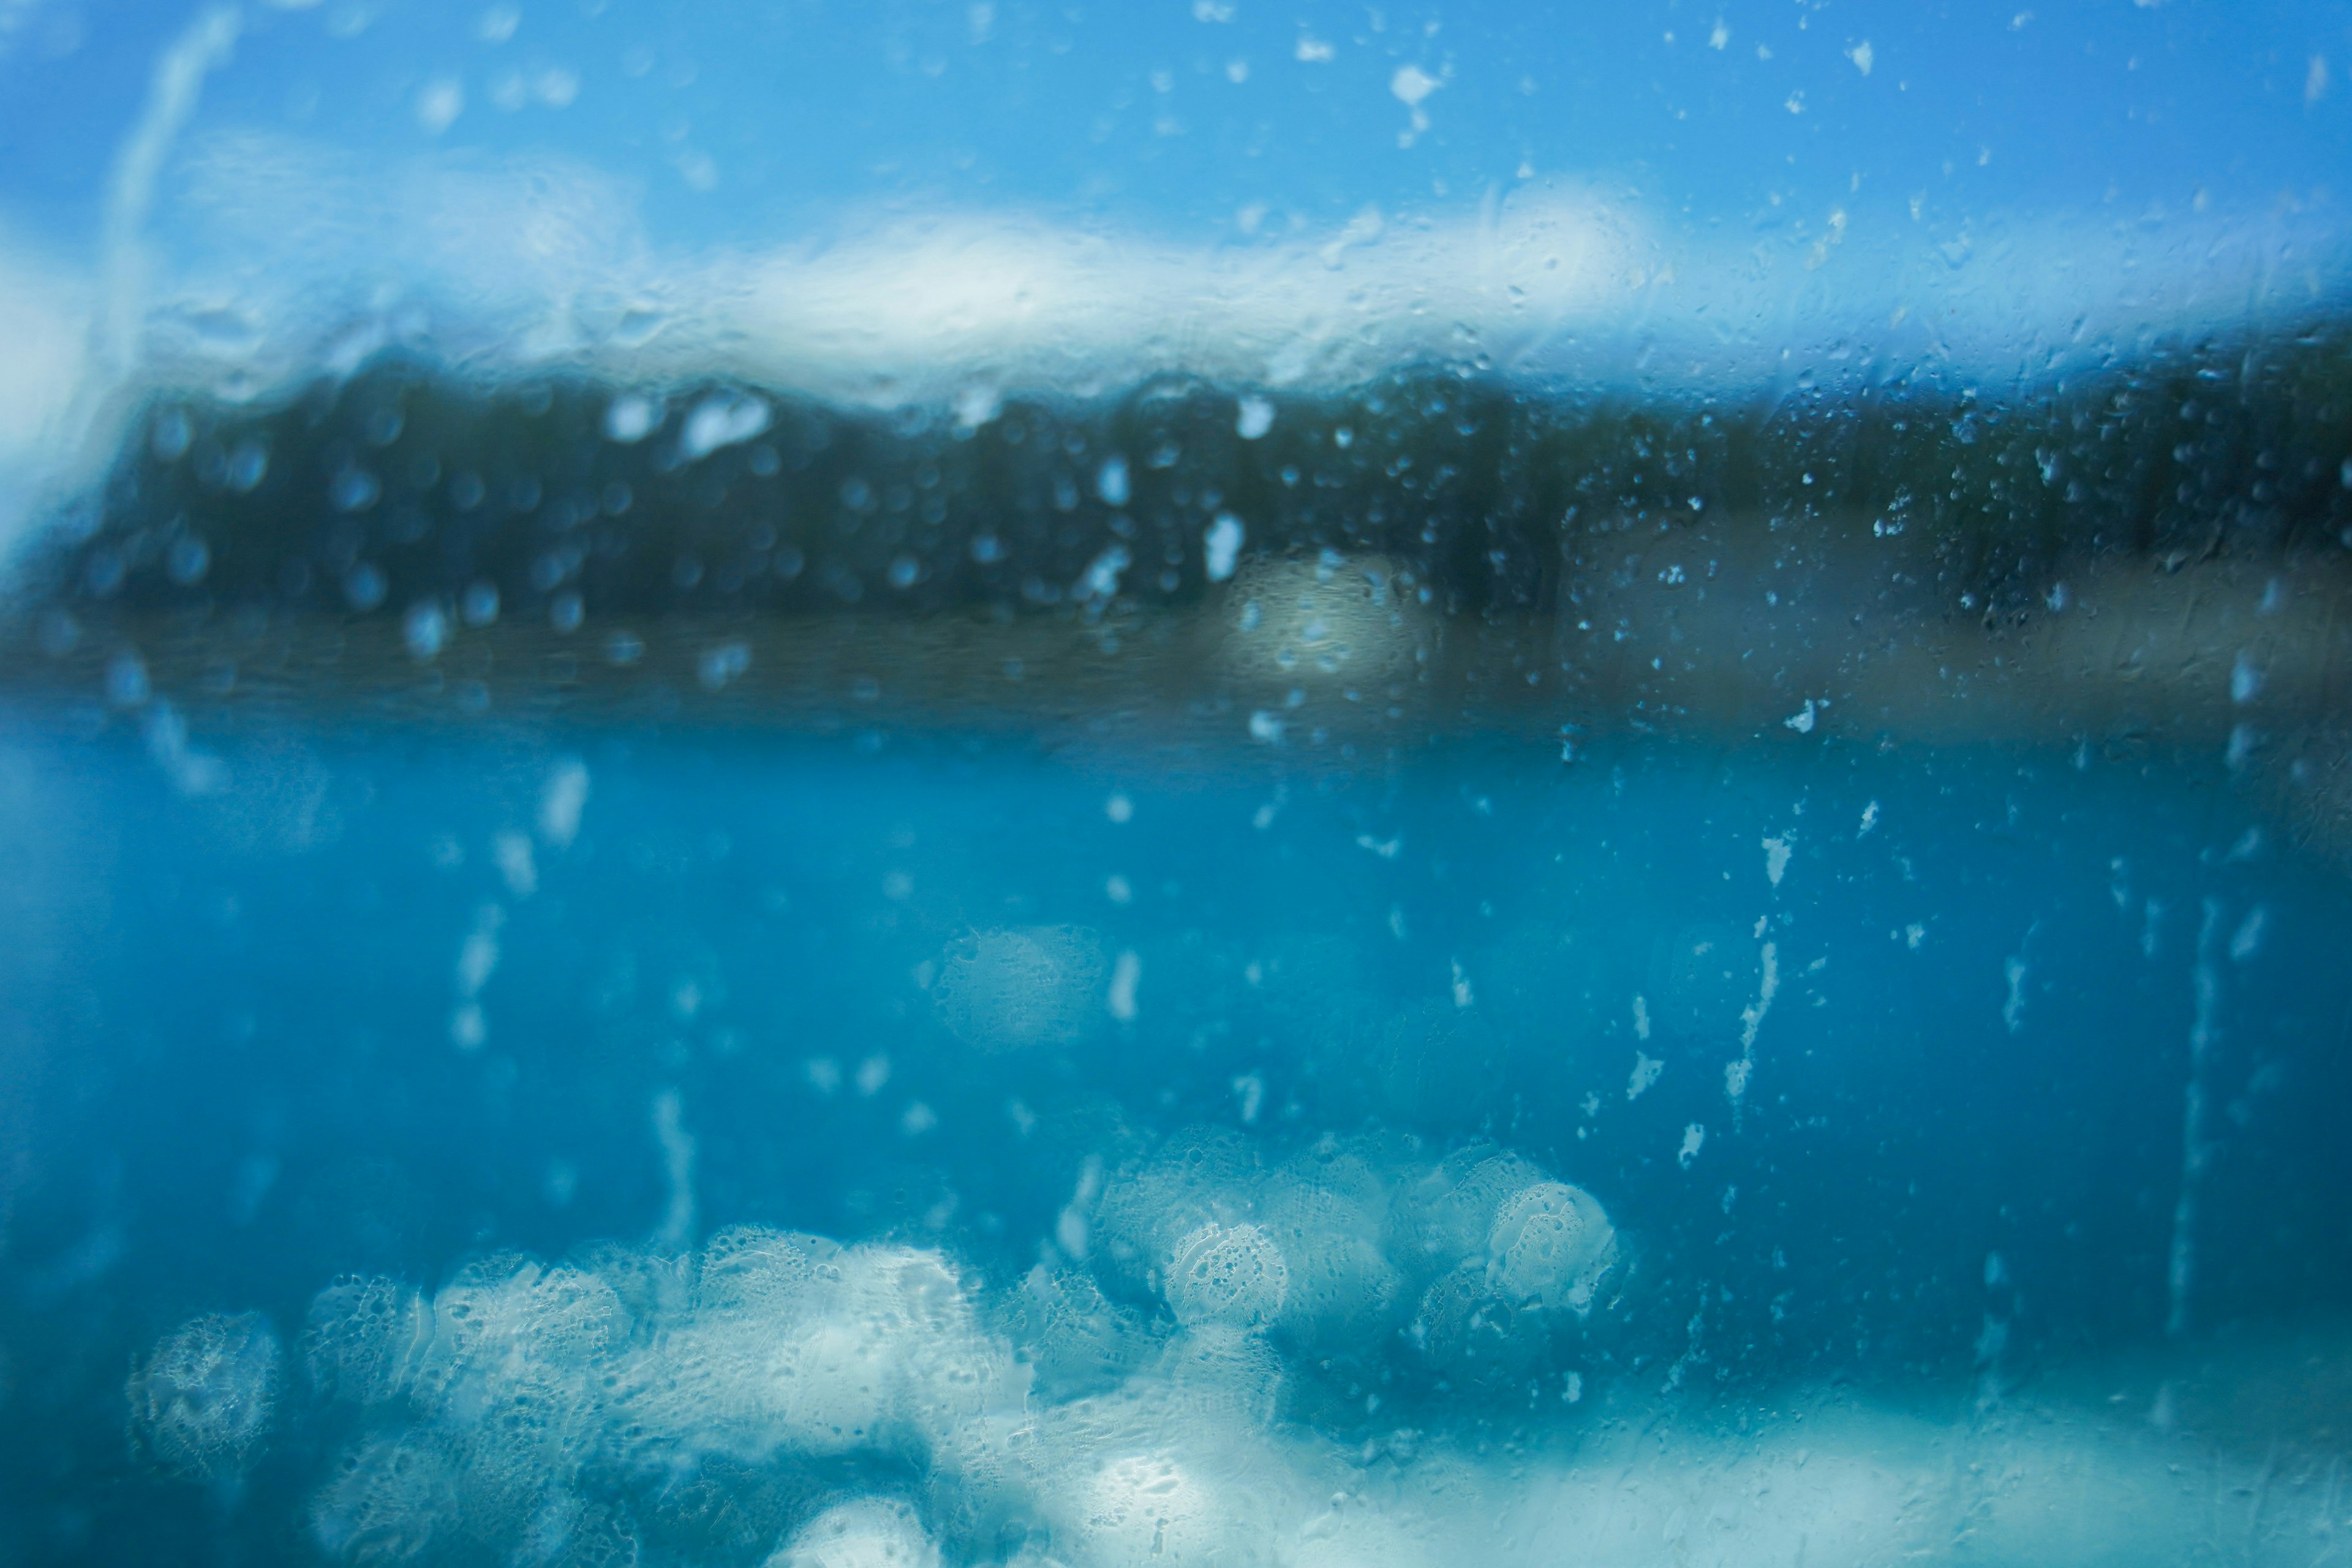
x=866, y=1532
x=204, y=1397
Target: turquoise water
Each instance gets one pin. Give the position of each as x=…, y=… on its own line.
x=1876, y=1056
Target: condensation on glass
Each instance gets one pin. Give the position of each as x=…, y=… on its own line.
x=994, y=785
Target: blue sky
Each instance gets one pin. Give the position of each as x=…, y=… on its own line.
x=760, y=122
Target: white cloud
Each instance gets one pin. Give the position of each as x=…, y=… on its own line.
x=267, y=259
x=45, y=377
x=439, y=103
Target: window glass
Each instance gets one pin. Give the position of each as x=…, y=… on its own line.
x=803, y=783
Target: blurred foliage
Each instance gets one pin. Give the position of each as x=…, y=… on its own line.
x=407, y=483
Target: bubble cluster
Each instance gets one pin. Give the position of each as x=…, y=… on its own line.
x=363, y=1337
x=1200, y=1387
x=1012, y=990
x=781, y=1399
x=389, y=1497
x=1444, y=1214
x=1325, y=1213
x=798, y=1345
x=1478, y=1261
x=1178, y=1464
x=1550, y=1244
x=1201, y=1176
x=507, y=1413
x=204, y=1397
x=1227, y=1274
x=1073, y=1339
